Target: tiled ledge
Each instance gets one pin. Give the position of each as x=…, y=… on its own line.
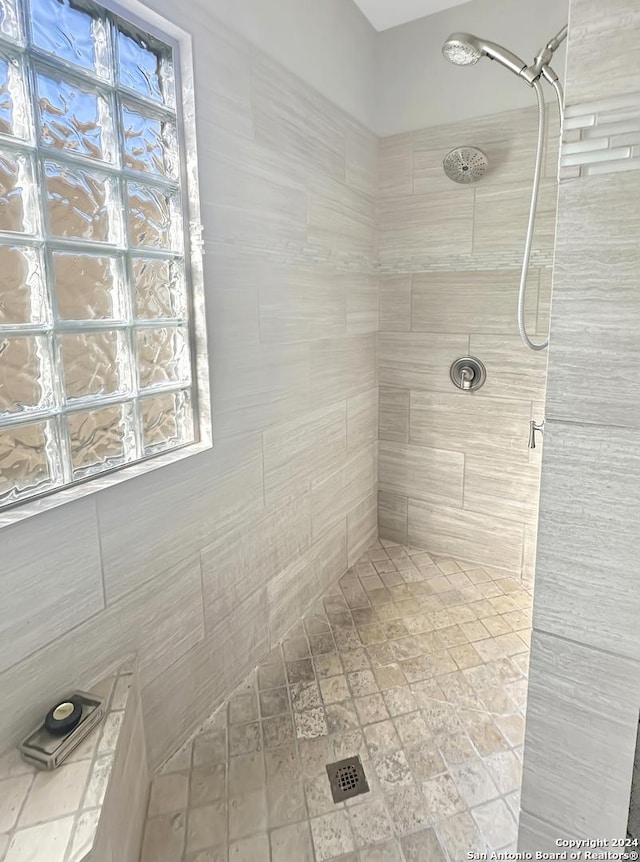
x=62, y=816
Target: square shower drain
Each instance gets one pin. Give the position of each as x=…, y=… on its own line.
x=347, y=779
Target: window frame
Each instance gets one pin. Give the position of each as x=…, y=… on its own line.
x=157, y=27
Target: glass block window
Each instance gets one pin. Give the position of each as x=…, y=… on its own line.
x=96, y=363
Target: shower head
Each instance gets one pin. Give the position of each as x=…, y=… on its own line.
x=461, y=50
x=465, y=164
x=464, y=49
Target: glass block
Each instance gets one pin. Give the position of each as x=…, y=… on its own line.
x=25, y=374
x=81, y=204
x=72, y=34
x=153, y=218
x=163, y=356
x=28, y=461
x=140, y=67
x=87, y=286
x=14, y=107
x=167, y=421
x=94, y=363
x=18, y=208
x=159, y=288
x=149, y=143
x=23, y=297
x=100, y=439
x=75, y=120
x=10, y=20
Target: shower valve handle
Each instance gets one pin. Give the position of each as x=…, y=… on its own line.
x=533, y=427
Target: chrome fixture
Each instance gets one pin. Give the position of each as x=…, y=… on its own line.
x=465, y=164
x=464, y=49
x=468, y=373
x=533, y=428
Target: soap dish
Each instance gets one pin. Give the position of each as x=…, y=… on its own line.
x=46, y=750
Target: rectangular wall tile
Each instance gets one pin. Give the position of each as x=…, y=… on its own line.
x=174, y=512
x=465, y=422
x=293, y=589
x=530, y=551
x=250, y=204
x=188, y=691
x=586, y=583
x=247, y=154
x=596, y=304
x=333, y=498
x=418, y=360
x=392, y=517
x=161, y=621
x=361, y=166
x=51, y=578
x=423, y=224
x=361, y=290
x=503, y=487
x=501, y=216
x=340, y=217
x=238, y=564
x=232, y=298
x=298, y=451
x=362, y=420
x=513, y=371
x=227, y=83
x=577, y=742
x=167, y=617
x=475, y=302
x=342, y=367
x=600, y=37
x=484, y=539
x=535, y=835
x=301, y=303
x=508, y=139
x=362, y=528
x=293, y=119
x=395, y=303
x=257, y=387
x=395, y=166
x=434, y=475
x=394, y=414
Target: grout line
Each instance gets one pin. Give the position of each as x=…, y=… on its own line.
x=582, y=644
x=99, y=531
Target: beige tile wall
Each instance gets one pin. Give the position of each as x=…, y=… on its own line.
x=202, y=566
x=456, y=476
x=584, y=690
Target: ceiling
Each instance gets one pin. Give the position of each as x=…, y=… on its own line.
x=384, y=14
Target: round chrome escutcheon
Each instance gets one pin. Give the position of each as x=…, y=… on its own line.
x=468, y=373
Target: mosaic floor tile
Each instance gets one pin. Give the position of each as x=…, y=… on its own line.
x=417, y=665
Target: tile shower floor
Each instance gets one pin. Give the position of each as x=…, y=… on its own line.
x=415, y=663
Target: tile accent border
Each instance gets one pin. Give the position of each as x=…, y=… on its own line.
x=487, y=261
x=295, y=254
x=601, y=137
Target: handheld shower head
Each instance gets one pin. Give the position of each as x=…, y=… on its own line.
x=461, y=49
x=464, y=49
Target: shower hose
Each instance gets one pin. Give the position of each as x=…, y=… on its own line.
x=542, y=121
